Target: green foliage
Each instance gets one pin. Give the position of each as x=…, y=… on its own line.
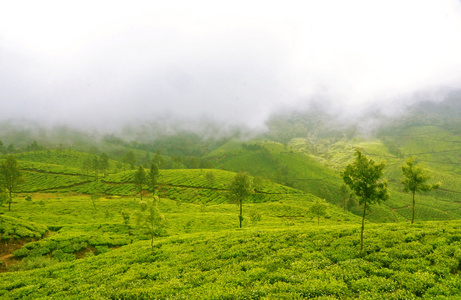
x=152, y=177
x=150, y=220
x=415, y=180
x=318, y=209
x=210, y=177
x=363, y=177
x=10, y=177
x=3, y=196
x=240, y=188
x=130, y=159
x=292, y=263
x=140, y=179
x=14, y=228
x=126, y=217
x=255, y=216
x=104, y=163
x=282, y=164
x=94, y=198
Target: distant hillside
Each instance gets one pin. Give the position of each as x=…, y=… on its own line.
x=195, y=186
x=281, y=164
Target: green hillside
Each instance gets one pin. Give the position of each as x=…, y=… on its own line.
x=317, y=172
x=281, y=164
x=399, y=262
x=73, y=235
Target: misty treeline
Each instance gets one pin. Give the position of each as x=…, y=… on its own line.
x=190, y=147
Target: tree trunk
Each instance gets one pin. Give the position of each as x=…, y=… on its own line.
x=241, y=213
x=363, y=226
x=413, y=215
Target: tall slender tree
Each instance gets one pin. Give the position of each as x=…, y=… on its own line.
x=414, y=179
x=240, y=188
x=104, y=163
x=152, y=177
x=151, y=220
x=96, y=167
x=87, y=165
x=363, y=177
x=11, y=177
x=140, y=179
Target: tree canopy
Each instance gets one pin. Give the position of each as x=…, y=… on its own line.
x=363, y=177
x=10, y=176
x=240, y=188
x=152, y=176
x=140, y=178
x=414, y=179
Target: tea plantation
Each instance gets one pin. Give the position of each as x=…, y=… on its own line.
x=74, y=234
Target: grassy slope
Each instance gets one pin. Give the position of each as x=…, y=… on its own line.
x=284, y=255
x=185, y=185
x=316, y=173
x=399, y=262
x=435, y=147
x=282, y=164
x=312, y=172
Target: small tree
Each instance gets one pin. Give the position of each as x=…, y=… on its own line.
x=240, y=188
x=34, y=147
x=10, y=177
x=104, y=163
x=150, y=220
x=96, y=167
x=363, y=177
x=87, y=165
x=318, y=209
x=414, y=179
x=140, y=178
x=152, y=177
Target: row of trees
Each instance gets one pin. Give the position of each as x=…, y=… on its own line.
x=150, y=178
x=96, y=164
x=364, y=178
x=10, y=149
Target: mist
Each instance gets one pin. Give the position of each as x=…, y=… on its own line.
x=108, y=65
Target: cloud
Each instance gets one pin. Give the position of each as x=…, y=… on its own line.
x=103, y=64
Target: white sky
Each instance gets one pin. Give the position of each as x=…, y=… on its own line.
x=102, y=63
